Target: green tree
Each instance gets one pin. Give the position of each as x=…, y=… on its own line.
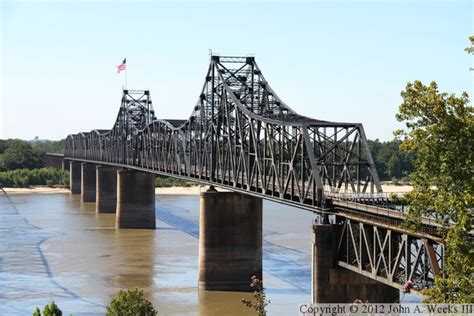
x=19, y=154
x=470, y=49
x=4, y=145
x=377, y=149
x=440, y=132
x=131, y=303
x=52, y=310
x=390, y=161
x=395, y=166
x=400, y=165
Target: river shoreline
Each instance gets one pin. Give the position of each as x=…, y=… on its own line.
x=193, y=190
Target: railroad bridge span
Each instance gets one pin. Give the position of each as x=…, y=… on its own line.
x=243, y=138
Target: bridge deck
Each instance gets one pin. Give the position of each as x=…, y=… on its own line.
x=371, y=214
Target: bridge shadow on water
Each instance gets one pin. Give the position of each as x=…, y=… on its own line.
x=25, y=285
x=291, y=266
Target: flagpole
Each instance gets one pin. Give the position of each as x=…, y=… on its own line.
x=123, y=67
x=126, y=70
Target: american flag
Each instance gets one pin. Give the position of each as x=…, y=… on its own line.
x=122, y=66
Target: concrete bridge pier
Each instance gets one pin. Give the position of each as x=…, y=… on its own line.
x=88, y=182
x=332, y=284
x=75, y=177
x=135, y=200
x=106, y=192
x=230, y=240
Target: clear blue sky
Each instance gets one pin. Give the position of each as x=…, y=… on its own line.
x=332, y=60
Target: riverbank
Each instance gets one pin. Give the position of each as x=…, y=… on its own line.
x=194, y=190
x=391, y=188
x=35, y=190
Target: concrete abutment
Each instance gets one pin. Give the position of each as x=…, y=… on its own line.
x=230, y=240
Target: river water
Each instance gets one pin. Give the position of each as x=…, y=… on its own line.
x=53, y=246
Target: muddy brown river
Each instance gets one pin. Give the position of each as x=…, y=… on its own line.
x=52, y=246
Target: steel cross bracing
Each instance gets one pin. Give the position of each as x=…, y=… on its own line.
x=389, y=255
x=243, y=137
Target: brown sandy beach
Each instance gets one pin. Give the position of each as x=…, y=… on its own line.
x=47, y=190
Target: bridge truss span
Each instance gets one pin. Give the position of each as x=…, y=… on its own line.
x=240, y=135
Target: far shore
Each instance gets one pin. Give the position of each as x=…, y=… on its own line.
x=392, y=188
x=193, y=190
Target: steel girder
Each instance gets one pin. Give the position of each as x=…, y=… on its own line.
x=240, y=134
x=388, y=255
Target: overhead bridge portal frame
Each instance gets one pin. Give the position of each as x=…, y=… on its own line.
x=240, y=134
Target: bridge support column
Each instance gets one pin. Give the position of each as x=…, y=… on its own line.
x=230, y=241
x=332, y=284
x=106, y=193
x=135, y=200
x=75, y=177
x=88, y=184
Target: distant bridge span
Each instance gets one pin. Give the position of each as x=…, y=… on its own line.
x=242, y=137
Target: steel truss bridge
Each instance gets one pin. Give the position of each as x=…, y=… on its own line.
x=242, y=137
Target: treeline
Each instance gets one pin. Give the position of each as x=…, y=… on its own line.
x=48, y=146
x=392, y=163
x=166, y=182
x=20, y=154
x=22, y=164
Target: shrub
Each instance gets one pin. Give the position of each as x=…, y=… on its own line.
x=52, y=310
x=26, y=177
x=166, y=182
x=131, y=303
x=49, y=310
x=261, y=301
